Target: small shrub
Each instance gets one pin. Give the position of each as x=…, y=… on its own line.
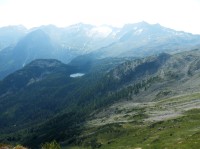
x=51, y=145
x=5, y=146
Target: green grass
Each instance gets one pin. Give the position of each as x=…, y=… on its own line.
x=182, y=132
x=182, y=98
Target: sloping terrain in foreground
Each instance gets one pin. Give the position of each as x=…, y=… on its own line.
x=114, y=104
x=168, y=123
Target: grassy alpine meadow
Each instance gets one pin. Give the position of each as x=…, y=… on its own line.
x=171, y=123
x=182, y=132
x=146, y=130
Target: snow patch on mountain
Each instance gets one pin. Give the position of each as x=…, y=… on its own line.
x=179, y=33
x=101, y=31
x=138, y=32
x=135, y=28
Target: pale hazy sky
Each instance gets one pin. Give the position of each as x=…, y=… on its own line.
x=177, y=14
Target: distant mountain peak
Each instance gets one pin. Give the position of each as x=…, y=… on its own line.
x=139, y=24
x=142, y=23
x=37, y=32
x=79, y=26
x=14, y=27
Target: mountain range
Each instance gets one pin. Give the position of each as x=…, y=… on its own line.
x=100, y=87
x=133, y=40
